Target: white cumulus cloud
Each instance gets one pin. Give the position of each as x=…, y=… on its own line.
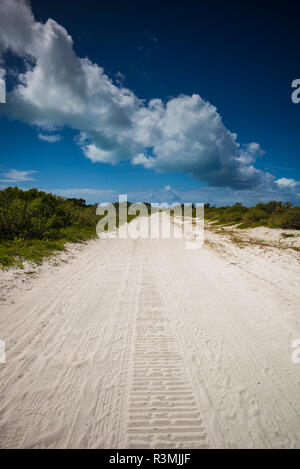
x=287, y=183
x=185, y=134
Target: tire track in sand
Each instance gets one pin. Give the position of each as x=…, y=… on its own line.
x=163, y=412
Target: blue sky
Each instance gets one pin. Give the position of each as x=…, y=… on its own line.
x=165, y=101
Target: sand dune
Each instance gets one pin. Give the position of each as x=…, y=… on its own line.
x=143, y=343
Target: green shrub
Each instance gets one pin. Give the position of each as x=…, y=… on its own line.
x=289, y=219
x=34, y=223
x=35, y=214
x=273, y=214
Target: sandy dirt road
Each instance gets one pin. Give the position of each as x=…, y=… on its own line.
x=143, y=343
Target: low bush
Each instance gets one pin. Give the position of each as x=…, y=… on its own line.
x=273, y=214
x=34, y=224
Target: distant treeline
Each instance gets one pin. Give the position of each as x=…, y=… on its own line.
x=273, y=214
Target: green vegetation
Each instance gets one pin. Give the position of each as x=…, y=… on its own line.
x=35, y=224
x=272, y=214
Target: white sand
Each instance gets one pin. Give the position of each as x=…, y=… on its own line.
x=143, y=343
